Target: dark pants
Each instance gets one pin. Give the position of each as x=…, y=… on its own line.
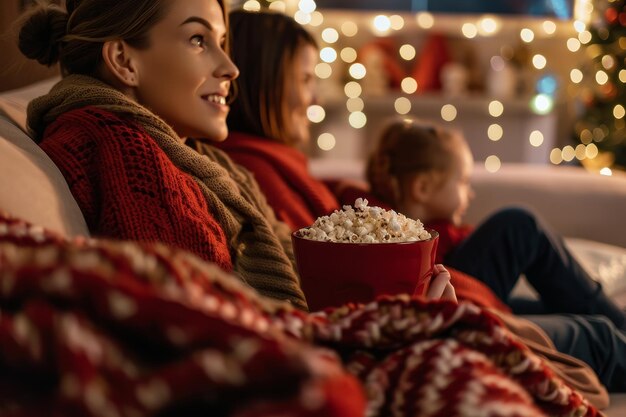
x=592, y=339
x=513, y=242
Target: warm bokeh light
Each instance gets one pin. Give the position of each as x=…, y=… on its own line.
x=348, y=54
x=252, y=6
x=407, y=52
x=599, y=133
x=586, y=136
x=602, y=77
x=576, y=75
x=608, y=62
x=527, y=35
x=622, y=76
x=536, y=138
x=549, y=27
x=591, y=151
x=349, y=28
x=539, y=61
x=353, y=89
x=573, y=44
x=495, y=132
x=448, y=112
x=328, y=54
x=323, y=70
x=402, y=105
x=619, y=111
x=357, y=71
x=316, y=18
x=584, y=37
x=555, y=156
x=316, y=113
x=409, y=85
x=425, y=20
x=397, y=22
x=278, y=6
x=489, y=25
x=581, y=151
x=357, y=119
x=568, y=153
x=469, y=30
x=330, y=35
x=326, y=141
x=355, y=104
x=492, y=163
x=496, y=108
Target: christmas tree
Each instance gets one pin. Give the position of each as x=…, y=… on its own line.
x=603, y=98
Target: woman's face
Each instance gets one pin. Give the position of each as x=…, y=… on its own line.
x=300, y=94
x=184, y=75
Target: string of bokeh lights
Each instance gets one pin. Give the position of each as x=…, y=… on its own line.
x=542, y=102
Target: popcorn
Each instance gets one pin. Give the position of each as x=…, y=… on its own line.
x=365, y=224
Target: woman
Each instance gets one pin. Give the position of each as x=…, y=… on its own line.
x=274, y=80
x=139, y=79
x=268, y=121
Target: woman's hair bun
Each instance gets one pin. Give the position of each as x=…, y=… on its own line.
x=41, y=33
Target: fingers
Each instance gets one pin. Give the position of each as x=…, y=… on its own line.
x=440, y=286
x=449, y=293
x=441, y=277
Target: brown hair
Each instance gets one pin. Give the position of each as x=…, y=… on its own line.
x=407, y=148
x=74, y=36
x=263, y=47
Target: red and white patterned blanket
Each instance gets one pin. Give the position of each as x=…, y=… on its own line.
x=106, y=328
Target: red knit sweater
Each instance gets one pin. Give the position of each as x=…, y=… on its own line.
x=127, y=187
x=282, y=173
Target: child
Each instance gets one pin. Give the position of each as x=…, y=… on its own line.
x=424, y=172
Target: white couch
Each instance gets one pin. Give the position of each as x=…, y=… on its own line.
x=578, y=204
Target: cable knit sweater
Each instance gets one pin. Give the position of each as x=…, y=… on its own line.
x=127, y=188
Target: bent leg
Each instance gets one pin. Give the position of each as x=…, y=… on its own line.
x=513, y=242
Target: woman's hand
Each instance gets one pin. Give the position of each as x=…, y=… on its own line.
x=440, y=287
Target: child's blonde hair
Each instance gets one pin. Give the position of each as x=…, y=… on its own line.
x=407, y=148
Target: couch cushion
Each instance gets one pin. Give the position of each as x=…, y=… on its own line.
x=31, y=186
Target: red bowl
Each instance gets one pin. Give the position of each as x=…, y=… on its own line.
x=333, y=274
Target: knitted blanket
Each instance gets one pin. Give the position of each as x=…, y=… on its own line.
x=258, y=254
x=111, y=328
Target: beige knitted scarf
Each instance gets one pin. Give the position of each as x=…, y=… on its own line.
x=259, y=244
